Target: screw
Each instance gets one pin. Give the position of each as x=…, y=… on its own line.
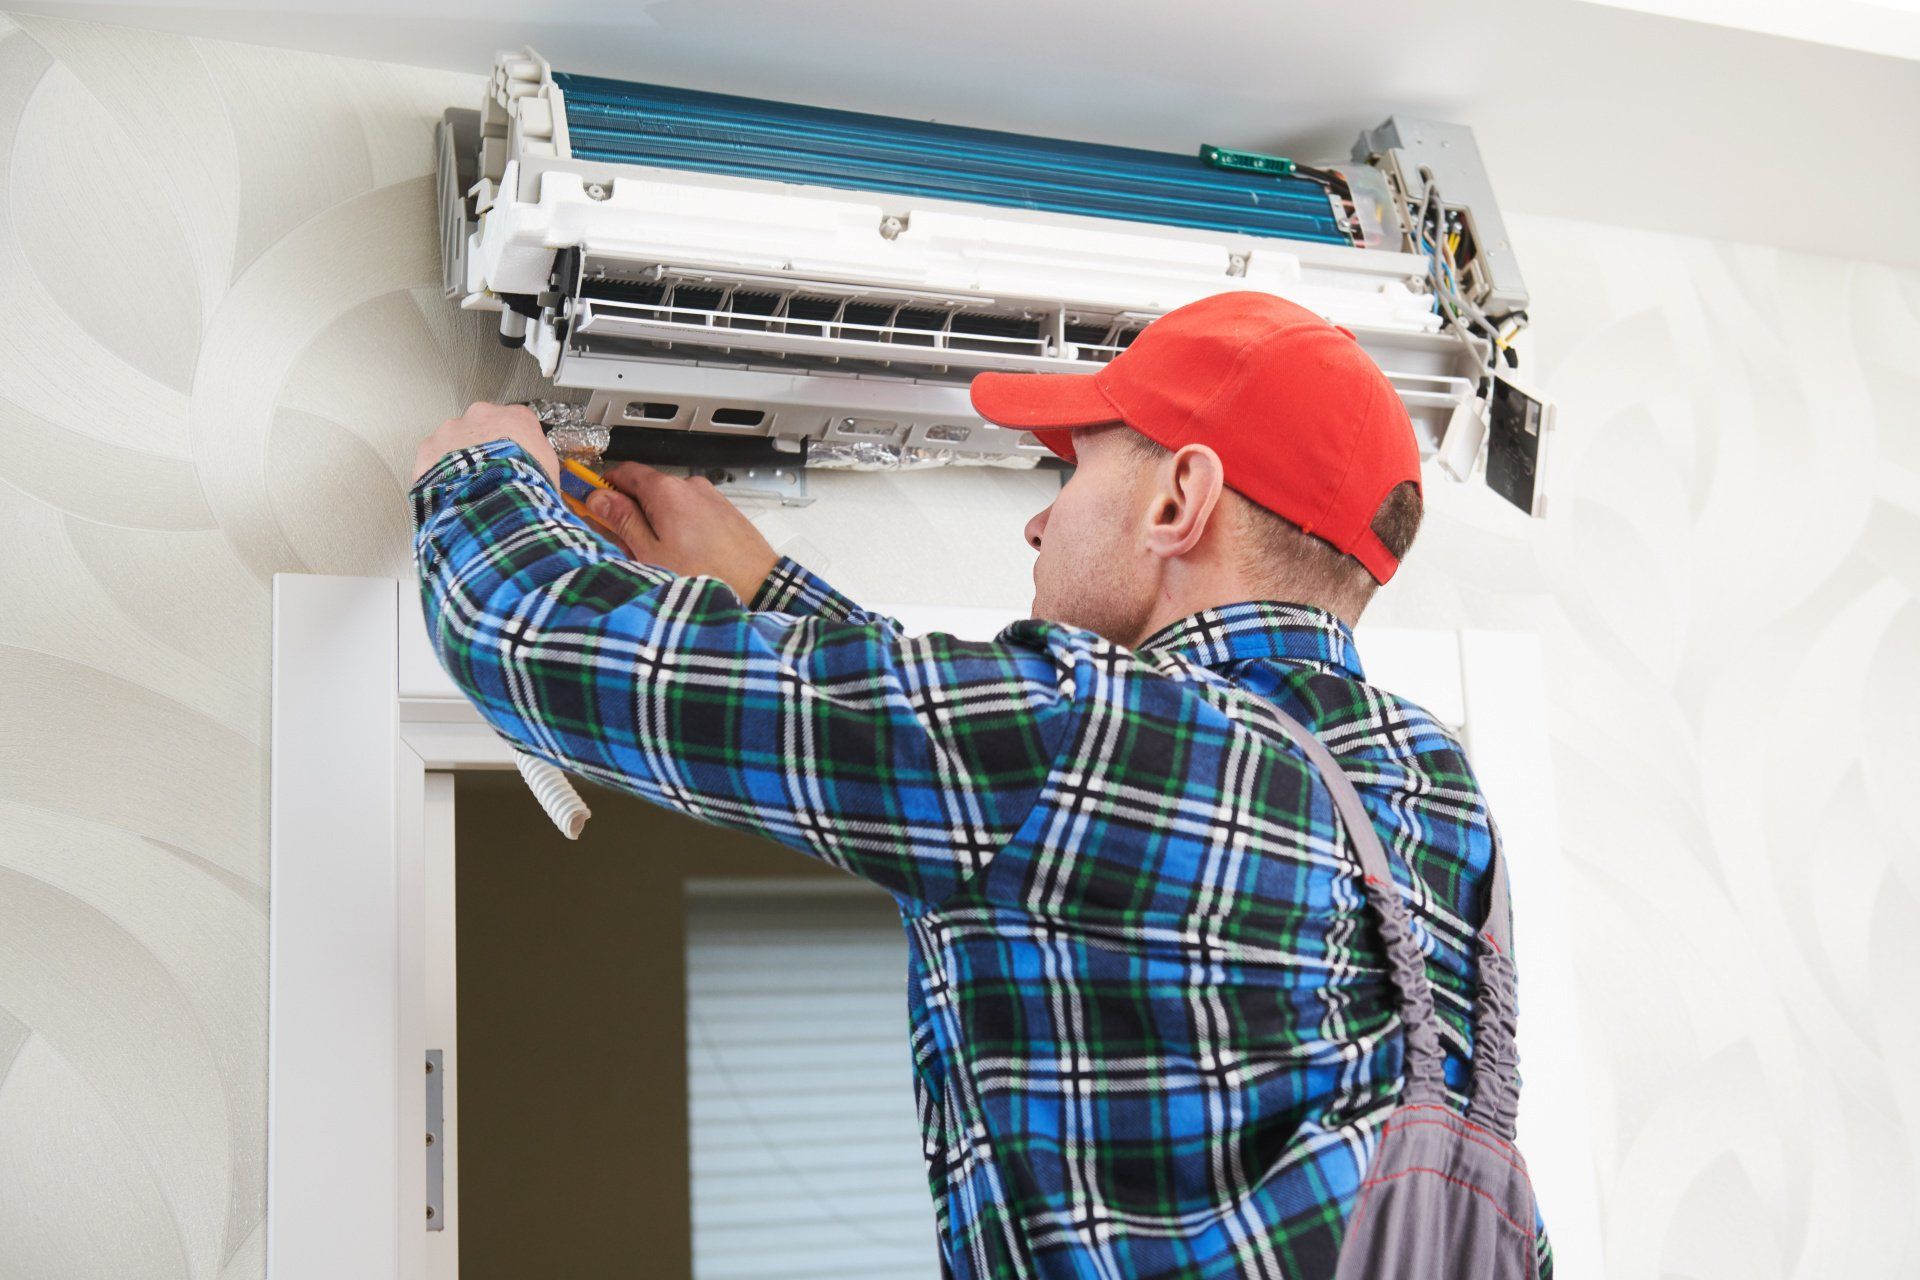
x=891, y=226
x=1236, y=264
x=597, y=191
x=429, y=1139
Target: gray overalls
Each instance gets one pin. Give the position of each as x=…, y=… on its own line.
x=1447, y=1195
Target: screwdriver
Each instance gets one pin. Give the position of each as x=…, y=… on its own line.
x=577, y=481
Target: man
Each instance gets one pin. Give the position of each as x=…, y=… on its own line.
x=1152, y=1033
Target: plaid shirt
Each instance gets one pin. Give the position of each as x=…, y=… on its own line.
x=1151, y=1028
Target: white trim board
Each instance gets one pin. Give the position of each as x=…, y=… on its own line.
x=336, y=937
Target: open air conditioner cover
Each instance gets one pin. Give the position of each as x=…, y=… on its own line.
x=829, y=282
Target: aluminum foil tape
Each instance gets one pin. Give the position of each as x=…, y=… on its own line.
x=867, y=455
x=573, y=435
x=569, y=431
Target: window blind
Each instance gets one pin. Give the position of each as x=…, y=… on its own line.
x=805, y=1146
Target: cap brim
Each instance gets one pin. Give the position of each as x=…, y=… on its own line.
x=1050, y=405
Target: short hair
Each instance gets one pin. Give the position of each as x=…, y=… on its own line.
x=1305, y=568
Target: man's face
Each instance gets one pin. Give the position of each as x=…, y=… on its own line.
x=1094, y=569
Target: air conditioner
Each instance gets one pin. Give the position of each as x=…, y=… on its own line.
x=817, y=287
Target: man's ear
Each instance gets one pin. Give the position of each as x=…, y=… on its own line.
x=1184, y=492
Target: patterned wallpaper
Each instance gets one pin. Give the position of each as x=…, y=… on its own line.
x=224, y=338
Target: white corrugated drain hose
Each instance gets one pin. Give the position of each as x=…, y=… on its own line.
x=555, y=794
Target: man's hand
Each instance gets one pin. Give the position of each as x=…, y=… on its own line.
x=483, y=422
x=684, y=525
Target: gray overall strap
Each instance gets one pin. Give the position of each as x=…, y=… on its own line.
x=1495, y=1099
x=1496, y=1056
x=1425, y=1063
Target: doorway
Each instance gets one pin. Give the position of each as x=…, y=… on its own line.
x=682, y=1052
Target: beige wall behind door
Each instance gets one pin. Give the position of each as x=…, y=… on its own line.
x=573, y=1050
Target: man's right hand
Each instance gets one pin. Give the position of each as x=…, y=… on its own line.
x=684, y=525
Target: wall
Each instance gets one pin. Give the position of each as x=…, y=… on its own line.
x=224, y=339
x=573, y=1106
x=1726, y=592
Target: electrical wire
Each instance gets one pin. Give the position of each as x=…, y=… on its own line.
x=1446, y=288
x=1458, y=313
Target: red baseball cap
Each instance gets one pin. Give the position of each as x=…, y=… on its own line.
x=1304, y=422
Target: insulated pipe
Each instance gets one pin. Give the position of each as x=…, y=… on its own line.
x=555, y=794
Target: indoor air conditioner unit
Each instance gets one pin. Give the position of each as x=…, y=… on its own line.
x=742, y=280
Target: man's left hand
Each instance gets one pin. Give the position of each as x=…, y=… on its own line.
x=483, y=422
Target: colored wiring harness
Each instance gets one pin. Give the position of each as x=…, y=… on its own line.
x=1489, y=340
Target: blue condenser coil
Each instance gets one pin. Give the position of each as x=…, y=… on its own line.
x=625, y=123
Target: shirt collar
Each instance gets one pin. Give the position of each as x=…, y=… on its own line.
x=1261, y=629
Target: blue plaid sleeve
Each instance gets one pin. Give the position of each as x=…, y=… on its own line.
x=791, y=588
x=909, y=761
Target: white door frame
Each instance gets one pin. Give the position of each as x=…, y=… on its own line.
x=367, y=733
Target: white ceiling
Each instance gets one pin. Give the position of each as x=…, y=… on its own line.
x=1873, y=26
x=1602, y=111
